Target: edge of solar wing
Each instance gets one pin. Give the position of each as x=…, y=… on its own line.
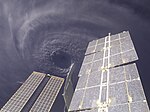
x=33, y=73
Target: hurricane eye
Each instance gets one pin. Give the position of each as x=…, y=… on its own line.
x=61, y=59
x=49, y=45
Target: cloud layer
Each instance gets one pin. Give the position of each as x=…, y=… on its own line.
x=31, y=31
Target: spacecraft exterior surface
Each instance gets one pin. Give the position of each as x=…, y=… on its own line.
x=109, y=79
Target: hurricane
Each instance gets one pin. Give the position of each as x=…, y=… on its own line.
x=49, y=36
x=51, y=44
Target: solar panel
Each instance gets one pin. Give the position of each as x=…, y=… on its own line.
x=107, y=83
x=122, y=93
x=23, y=94
x=48, y=95
x=120, y=47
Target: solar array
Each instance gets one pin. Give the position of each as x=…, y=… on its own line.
x=107, y=82
x=45, y=99
x=23, y=94
x=117, y=49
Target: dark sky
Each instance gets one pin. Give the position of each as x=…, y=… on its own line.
x=33, y=32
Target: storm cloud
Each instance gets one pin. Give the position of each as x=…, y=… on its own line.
x=33, y=32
